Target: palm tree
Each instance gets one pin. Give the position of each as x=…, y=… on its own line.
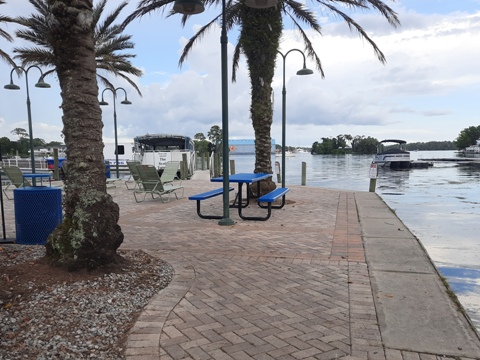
x=89, y=234
x=108, y=38
x=3, y=55
x=259, y=41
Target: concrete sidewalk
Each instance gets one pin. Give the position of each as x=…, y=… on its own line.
x=333, y=274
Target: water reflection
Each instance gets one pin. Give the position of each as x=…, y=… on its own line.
x=465, y=283
x=439, y=205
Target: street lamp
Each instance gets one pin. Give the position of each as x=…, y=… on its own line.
x=186, y=7
x=40, y=84
x=124, y=102
x=303, y=71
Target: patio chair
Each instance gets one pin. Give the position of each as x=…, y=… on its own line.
x=15, y=176
x=169, y=174
x=134, y=175
x=151, y=184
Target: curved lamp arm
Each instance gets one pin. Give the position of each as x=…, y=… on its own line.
x=40, y=84
x=124, y=102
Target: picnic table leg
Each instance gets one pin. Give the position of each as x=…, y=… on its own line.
x=238, y=202
x=240, y=185
x=206, y=216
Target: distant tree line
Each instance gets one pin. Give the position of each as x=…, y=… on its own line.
x=21, y=147
x=204, y=146
x=359, y=144
x=345, y=144
x=431, y=145
x=467, y=137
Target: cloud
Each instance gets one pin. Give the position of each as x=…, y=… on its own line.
x=436, y=113
x=430, y=74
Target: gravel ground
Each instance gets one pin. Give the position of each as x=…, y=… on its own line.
x=82, y=319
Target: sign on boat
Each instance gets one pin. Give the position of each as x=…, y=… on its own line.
x=159, y=149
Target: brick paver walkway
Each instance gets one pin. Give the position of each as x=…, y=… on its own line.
x=294, y=287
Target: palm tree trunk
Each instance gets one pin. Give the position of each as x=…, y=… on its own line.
x=89, y=235
x=260, y=36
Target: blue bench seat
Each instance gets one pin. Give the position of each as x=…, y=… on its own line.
x=204, y=196
x=269, y=198
x=273, y=195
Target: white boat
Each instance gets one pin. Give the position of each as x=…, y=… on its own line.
x=395, y=157
x=287, y=154
x=474, y=149
x=159, y=149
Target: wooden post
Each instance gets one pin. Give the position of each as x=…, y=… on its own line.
x=304, y=173
x=232, y=166
x=184, y=164
x=216, y=165
x=373, y=174
x=277, y=171
x=56, y=174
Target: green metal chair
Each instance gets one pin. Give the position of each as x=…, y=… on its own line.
x=151, y=184
x=170, y=173
x=15, y=176
x=134, y=175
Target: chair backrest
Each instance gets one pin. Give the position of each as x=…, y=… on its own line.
x=132, y=166
x=170, y=172
x=149, y=178
x=16, y=176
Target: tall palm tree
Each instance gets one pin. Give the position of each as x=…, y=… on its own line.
x=259, y=41
x=110, y=42
x=89, y=234
x=3, y=55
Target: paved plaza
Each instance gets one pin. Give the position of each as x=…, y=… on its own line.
x=334, y=274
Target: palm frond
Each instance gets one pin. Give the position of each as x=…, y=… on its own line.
x=197, y=37
x=352, y=24
x=6, y=58
x=385, y=10
x=311, y=53
x=145, y=7
x=232, y=15
x=131, y=82
x=302, y=13
x=110, y=41
x=108, y=24
x=236, y=61
x=35, y=55
x=106, y=83
x=3, y=33
x=98, y=11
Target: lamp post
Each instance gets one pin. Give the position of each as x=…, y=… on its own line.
x=40, y=84
x=303, y=71
x=124, y=102
x=5, y=240
x=190, y=7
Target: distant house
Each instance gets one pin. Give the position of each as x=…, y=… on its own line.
x=245, y=146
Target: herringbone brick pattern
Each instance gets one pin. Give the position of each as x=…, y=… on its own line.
x=266, y=290
x=244, y=308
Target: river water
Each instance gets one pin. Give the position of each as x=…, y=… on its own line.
x=440, y=205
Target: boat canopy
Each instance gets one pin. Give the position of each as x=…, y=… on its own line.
x=394, y=141
x=164, y=142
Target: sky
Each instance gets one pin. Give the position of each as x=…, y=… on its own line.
x=428, y=90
